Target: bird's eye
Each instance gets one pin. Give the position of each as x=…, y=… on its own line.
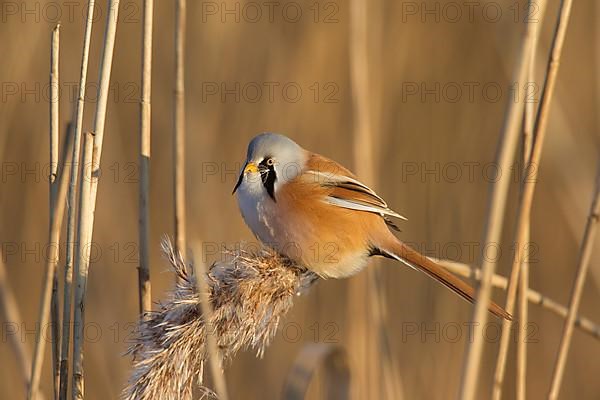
x=270, y=162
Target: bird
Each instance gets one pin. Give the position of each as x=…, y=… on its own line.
x=317, y=213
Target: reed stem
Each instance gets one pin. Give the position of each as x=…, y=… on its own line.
x=54, y=139
x=144, y=287
x=82, y=263
x=528, y=184
x=179, y=127
x=528, y=128
x=56, y=210
x=495, y=219
x=585, y=255
x=87, y=203
x=72, y=248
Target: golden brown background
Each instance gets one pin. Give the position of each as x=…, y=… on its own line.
x=443, y=213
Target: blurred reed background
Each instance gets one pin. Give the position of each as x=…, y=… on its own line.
x=432, y=147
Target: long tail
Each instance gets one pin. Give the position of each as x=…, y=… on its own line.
x=413, y=258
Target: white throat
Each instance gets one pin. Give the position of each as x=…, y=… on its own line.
x=257, y=208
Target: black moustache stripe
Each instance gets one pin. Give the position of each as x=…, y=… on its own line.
x=268, y=176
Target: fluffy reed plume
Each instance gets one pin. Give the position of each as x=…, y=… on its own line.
x=249, y=292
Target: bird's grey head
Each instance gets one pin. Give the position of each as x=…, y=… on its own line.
x=271, y=160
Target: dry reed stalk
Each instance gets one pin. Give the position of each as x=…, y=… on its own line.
x=54, y=134
x=250, y=293
x=214, y=356
x=494, y=223
x=54, y=104
x=82, y=262
x=104, y=85
x=51, y=261
x=521, y=372
x=87, y=206
x=144, y=287
x=533, y=296
x=71, y=202
x=528, y=128
x=179, y=127
x=585, y=255
x=359, y=301
x=9, y=311
x=371, y=361
x=528, y=184
x=332, y=358
x=58, y=192
x=55, y=324
x=523, y=321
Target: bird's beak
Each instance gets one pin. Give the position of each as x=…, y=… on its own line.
x=250, y=167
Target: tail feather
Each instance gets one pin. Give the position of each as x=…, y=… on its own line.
x=413, y=258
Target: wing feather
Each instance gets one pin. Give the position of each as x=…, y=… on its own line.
x=345, y=190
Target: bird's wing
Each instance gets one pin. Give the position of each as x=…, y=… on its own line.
x=345, y=190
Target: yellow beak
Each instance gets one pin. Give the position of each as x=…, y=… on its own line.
x=250, y=167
